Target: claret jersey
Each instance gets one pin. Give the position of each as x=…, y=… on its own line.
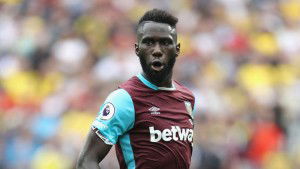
x=152, y=127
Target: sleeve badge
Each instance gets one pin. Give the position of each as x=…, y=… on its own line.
x=107, y=112
x=188, y=107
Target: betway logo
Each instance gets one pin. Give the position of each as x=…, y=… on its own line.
x=175, y=133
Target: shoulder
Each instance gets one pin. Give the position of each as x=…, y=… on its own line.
x=131, y=83
x=117, y=105
x=116, y=116
x=187, y=94
x=119, y=94
x=134, y=86
x=118, y=99
x=184, y=90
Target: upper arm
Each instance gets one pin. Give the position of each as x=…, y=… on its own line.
x=115, y=118
x=93, y=151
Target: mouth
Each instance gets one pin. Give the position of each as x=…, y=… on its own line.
x=157, y=65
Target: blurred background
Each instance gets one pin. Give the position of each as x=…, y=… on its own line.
x=59, y=59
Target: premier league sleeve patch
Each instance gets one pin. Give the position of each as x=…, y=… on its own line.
x=115, y=117
x=107, y=111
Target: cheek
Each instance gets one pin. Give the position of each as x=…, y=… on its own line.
x=143, y=50
x=144, y=56
x=171, y=52
x=145, y=53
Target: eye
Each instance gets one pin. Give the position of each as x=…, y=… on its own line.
x=148, y=42
x=166, y=42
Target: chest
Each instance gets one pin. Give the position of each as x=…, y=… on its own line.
x=163, y=111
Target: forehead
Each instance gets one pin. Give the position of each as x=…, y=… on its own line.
x=156, y=29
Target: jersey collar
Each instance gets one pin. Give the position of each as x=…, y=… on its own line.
x=152, y=86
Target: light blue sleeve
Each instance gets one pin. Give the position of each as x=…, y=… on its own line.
x=194, y=110
x=116, y=116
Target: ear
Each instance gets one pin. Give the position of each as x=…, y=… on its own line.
x=177, y=49
x=137, y=49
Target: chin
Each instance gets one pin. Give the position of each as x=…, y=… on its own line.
x=158, y=76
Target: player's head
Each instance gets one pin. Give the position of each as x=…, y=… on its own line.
x=157, y=45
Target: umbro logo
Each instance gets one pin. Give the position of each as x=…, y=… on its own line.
x=154, y=110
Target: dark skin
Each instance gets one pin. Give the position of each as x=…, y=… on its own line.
x=157, y=49
x=93, y=152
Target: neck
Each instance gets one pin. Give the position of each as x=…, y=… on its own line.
x=165, y=82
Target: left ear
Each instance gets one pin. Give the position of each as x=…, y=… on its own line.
x=177, y=49
x=137, y=49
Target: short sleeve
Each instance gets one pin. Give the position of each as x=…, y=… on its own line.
x=116, y=117
x=194, y=110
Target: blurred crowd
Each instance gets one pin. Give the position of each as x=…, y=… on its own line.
x=59, y=59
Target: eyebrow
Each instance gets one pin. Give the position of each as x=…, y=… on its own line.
x=161, y=38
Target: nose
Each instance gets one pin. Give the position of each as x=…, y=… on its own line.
x=157, y=52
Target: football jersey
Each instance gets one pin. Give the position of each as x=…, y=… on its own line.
x=152, y=127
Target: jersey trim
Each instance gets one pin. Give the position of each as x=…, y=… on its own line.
x=152, y=86
x=103, y=138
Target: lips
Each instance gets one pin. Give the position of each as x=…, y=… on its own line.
x=157, y=65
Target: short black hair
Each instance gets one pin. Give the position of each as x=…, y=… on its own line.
x=160, y=16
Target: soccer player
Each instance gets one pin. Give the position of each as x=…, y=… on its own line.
x=149, y=117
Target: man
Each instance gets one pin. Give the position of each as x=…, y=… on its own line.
x=149, y=118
